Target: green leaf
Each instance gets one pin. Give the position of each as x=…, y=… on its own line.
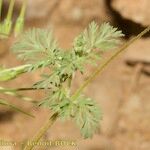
x=84, y=111
x=49, y=82
x=54, y=97
x=5, y=103
x=103, y=37
x=87, y=116
x=38, y=47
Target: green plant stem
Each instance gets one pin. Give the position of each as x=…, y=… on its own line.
x=104, y=65
x=11, y=73
x=10, y=10
x=20, y=21
x=1, y=2
x=23, y=9
x=41, y=132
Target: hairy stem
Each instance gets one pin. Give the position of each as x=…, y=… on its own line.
x=104, y=65
x=41, y=132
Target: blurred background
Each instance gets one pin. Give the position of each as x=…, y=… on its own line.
x=122, y=90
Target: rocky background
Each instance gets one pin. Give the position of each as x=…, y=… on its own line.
x=122, y=91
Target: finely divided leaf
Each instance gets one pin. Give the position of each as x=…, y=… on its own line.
x=38, y=47
x=103, y=37
x=87, y=116
x=84, y=111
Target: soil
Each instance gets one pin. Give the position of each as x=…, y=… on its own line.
x=126, y=115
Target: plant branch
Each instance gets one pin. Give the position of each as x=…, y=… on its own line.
x=105, y=64
x=23, y=9
x=49, y=123
x=10, y=10
x=11, y=73
x=53, y=118
x=41, y=132
x=1, y=2
x=3, y=90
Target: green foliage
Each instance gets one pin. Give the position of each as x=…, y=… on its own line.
x=21, y=19
x=87, y=116
x=39, y=48
x=84, y=111
x=7, y=25
x=104, y=37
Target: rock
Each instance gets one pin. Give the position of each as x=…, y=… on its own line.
x=70, y=11
x=38, y=8
x=135, y=10
x=109, y=103
x=139, y=52
x=135, y=115
x=84, y=11
x=97, y=143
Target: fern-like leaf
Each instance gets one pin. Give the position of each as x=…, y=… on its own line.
x=87, y=116
x=103, y=37
x=38, y=47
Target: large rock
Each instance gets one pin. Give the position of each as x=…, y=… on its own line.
x=135, y=10
x=139, y=52
x=68, y=11
x=37, y=8
x=84, y=11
